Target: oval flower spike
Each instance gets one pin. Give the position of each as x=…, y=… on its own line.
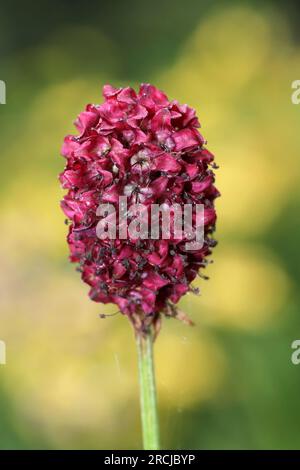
x=137, y=164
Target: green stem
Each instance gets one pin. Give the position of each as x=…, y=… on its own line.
x=148, y=392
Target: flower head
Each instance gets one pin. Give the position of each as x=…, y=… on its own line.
x=146, y=148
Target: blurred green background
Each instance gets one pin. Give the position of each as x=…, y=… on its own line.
x=70, y=379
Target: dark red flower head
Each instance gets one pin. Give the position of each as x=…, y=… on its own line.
x=147, y=148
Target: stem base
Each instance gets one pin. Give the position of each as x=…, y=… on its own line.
x=147, y=391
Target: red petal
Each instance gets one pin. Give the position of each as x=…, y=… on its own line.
x=187, y=139
x=161, y=120
x=108, y=91
x=167, y=163
x=154, y=281
x=127, y=95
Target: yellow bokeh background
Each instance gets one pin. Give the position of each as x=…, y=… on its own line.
x=71, y=377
